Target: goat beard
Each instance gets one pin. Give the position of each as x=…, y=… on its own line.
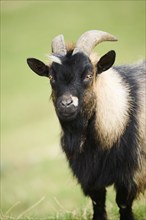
x=74, y=134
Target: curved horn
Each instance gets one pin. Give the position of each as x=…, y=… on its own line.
x=58, y=45
x=90, y=39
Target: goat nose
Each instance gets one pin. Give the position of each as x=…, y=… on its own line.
x=66, y=102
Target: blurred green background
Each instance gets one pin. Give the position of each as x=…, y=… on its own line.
x=35, y=179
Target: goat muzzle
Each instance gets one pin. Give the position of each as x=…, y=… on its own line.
x=67, y=107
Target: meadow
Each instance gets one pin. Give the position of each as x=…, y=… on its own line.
x=36, y=182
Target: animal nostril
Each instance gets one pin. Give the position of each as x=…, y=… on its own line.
x=67, y=102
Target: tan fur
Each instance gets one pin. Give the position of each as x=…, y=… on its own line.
x=70, y=46
x=89, y=102
x=113, y=104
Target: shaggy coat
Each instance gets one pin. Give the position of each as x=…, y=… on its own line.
x=103, y=132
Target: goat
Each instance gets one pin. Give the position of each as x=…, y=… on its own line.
x=101, y=110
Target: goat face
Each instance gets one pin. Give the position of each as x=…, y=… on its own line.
x=70, y=79
x=70, y=82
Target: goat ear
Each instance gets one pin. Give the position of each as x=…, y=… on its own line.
x=38, y=67
x=106, y=61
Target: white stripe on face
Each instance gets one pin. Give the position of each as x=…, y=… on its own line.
x=55, y=59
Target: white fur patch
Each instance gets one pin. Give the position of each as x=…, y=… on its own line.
x=55, y=59
x=113, y=104
x=75, y=101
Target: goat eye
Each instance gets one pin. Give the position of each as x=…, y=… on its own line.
x=51, y=78
x=87, y=80
x=89, y=76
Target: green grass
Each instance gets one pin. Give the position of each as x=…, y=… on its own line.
x=36, y=182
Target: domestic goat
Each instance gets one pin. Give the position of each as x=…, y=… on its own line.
x=101, y=110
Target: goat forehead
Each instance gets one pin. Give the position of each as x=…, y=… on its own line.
x=65, y=73
x=71, y=66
